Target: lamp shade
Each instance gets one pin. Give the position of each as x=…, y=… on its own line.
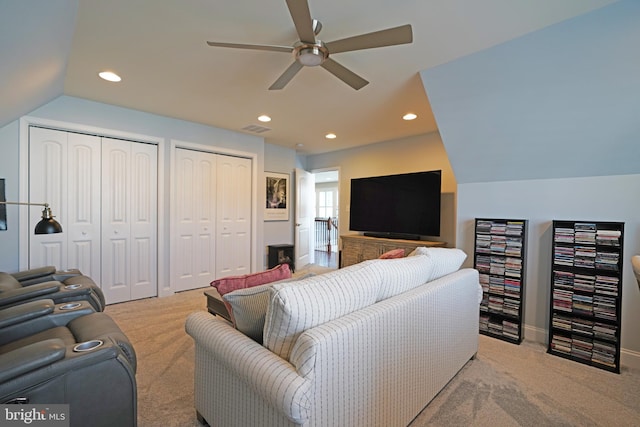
x=48, y=226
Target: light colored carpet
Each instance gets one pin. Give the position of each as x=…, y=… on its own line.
x=506, y=385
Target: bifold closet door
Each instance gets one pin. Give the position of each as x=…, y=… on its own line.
x=64, y=171
x=233, y=216
x=129, y=220
x=193, y=251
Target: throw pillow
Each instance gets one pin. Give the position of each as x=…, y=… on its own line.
x=249, y=305
x=394, y=253
x=445, y=260
x=232, y=283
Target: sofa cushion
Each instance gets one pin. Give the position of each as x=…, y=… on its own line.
x=401, y=274
x=249, y=307
x=316, y=300
x=445, y=260
x=393, y=253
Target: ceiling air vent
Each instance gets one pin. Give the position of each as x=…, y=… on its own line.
x=256, y=128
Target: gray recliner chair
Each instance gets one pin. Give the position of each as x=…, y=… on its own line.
x=68, y=354
x=46, y=282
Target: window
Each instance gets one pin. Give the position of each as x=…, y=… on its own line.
x=324, y=203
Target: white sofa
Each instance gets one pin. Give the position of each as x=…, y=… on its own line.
x=367, y=345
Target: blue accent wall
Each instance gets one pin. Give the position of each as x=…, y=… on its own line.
x=560, y=102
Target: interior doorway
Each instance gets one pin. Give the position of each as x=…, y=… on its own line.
x=327, y=221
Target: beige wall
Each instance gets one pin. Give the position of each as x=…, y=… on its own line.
x=412, y=154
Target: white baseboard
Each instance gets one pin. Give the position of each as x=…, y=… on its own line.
x=534, y=334
x=628, y=358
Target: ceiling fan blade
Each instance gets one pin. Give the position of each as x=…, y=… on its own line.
x=344, y=74
x=299, y=10
x=286, y=76
x=388, y=37
x=253, y=46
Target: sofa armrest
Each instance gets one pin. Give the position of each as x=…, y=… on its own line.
x=33, y=273
x=272, y=378
x=27, y=311
x=13, y=296
x=31, y=357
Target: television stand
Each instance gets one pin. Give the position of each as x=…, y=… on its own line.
x=357, y=248
x=400, y=236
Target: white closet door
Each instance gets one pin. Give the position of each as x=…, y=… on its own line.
x=129, y=220
x=82, y=216
x=48, y=184
x=144, y=220
x=116, y=221
x=233, y=215
x=64, y=171
x=193, y=248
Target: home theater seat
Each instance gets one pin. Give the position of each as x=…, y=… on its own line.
x=68, y=353
x=47, y=282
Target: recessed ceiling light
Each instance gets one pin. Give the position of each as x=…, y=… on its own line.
x=110, y=76
x=299, y=145
x=409, y=116
x=264, y=118
x=330, y=136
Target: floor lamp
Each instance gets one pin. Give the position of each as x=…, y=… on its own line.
x=47, y=225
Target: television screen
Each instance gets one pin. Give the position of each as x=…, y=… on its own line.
x=397, y=206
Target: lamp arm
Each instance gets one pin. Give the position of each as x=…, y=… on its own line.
x=24, y=203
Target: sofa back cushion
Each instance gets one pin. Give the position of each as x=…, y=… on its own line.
x=401, y=274
x=316, y=300
x=445, y=260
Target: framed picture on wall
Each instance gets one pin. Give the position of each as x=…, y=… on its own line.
x=276, y=196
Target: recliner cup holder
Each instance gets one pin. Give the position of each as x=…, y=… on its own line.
x=87, y=345
x=74, y=286
x=70, y=306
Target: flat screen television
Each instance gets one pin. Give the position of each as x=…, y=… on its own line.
x=404, y=206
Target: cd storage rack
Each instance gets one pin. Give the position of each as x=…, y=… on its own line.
x=586, y=292
x=500, y=257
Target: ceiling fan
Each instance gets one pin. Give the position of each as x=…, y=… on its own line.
x=310, y=52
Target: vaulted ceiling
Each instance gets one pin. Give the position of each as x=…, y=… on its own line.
x=54, y=47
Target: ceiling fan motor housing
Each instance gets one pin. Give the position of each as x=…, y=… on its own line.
x=310, y=55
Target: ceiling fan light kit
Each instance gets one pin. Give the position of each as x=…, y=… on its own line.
x=311, y=55
x=310, y=52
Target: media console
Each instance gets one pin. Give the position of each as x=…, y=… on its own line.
x=357, y=248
